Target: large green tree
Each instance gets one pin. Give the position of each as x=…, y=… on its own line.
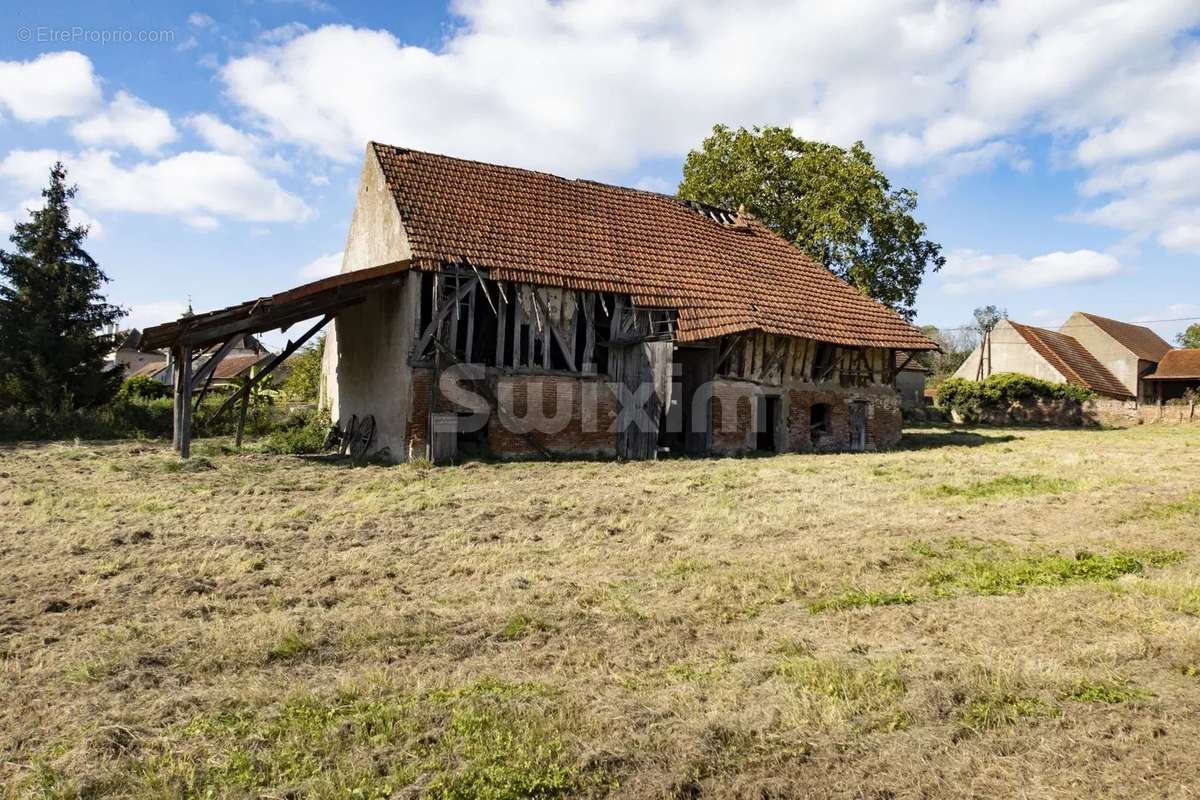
x=833, y=203
x=53, y=317
x=1191, y=337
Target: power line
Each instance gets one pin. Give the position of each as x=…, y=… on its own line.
x=1077, y=325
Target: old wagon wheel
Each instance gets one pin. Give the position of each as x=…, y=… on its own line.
x=348, y=435
x=362, y=437
x=333, y=438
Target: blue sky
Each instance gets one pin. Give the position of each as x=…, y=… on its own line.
x=1055, y=145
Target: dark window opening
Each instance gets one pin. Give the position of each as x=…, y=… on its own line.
x=473, y=443
x=820, y=420
x=823, y=361
x=604, y=311
x=469, y=328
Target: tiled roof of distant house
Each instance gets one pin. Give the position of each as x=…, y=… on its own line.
x=1178, y=365
x=1138, y=339
x=1072, y=360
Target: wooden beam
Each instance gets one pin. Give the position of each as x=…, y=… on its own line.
x=275, y=362
x=185, y=423
x=469, y=350
x=241, y=426
x=518, y=312
x=179, y=397
x=731, y=342
x=206, y=372
x=501, y=321
x=589, y=340
x=441, y=314
x=568, y=352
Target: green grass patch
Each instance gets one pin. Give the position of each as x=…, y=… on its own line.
x=1104, y=691
x=88, y=672
x=485, y=740
x=995, y=576
x=859, y=598
x=290, y=646
x=1000, y=708
x=521, y=625
x=863, y=693
x=1004, y=486
x=1184, y=507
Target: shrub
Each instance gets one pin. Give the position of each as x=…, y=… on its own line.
x=139, y=387
x=298, y=434
x=973, y=399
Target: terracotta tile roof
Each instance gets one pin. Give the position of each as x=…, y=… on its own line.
x=910, y=364
x=1138, y=339
x=149, y=370
x=232, y=366
x=723, y=276
x=1071, y=359
x=1178, y=365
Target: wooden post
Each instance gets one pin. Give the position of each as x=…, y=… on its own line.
x=501, y=321
x=179, y=397
x=589, y=341
x=241, y=428
x=184, y=398
x=518, y=312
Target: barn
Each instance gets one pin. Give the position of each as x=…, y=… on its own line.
x=541, y=316
x=489, y=310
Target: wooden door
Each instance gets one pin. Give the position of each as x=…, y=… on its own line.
x=636, y=366
x=858, y=425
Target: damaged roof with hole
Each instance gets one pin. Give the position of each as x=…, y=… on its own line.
x=1072, y=360
x=725, y=273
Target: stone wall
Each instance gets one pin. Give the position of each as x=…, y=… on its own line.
x=1101, y=411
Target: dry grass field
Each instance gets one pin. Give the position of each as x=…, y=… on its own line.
x=989, y=613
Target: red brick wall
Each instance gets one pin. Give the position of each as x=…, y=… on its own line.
x=735, y=400
x=596, y=436
x=590, y=434
x=582, y=435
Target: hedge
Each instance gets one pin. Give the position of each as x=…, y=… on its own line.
x=973, y=399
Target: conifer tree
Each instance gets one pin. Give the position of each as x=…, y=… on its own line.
x=55, y=325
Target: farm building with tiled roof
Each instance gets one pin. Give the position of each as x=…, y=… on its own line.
x=1109, y=357
x=543, y=315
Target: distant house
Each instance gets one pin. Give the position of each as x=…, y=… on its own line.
x=1178, y=372
x=1129, y=352
x=239, y=359
x=132, y=360
x=910, y=381
x=1050, y=355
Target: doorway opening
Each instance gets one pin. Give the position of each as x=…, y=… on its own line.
x=858, y=425
x=768, y=418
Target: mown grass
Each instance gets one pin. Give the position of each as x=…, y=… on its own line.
x=1004, y=486
x=797, y=626
x=987, y=571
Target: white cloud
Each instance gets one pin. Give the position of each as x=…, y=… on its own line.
x=322, y=267
x=968, y=271
x=923, y=78
x=1155, y=197
x=650, y=183
x=588, y=87
x=198, y=19
x=51, y=85
x=221, y=136
x=199, y=187
x=155, y=312
x=127, y=121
